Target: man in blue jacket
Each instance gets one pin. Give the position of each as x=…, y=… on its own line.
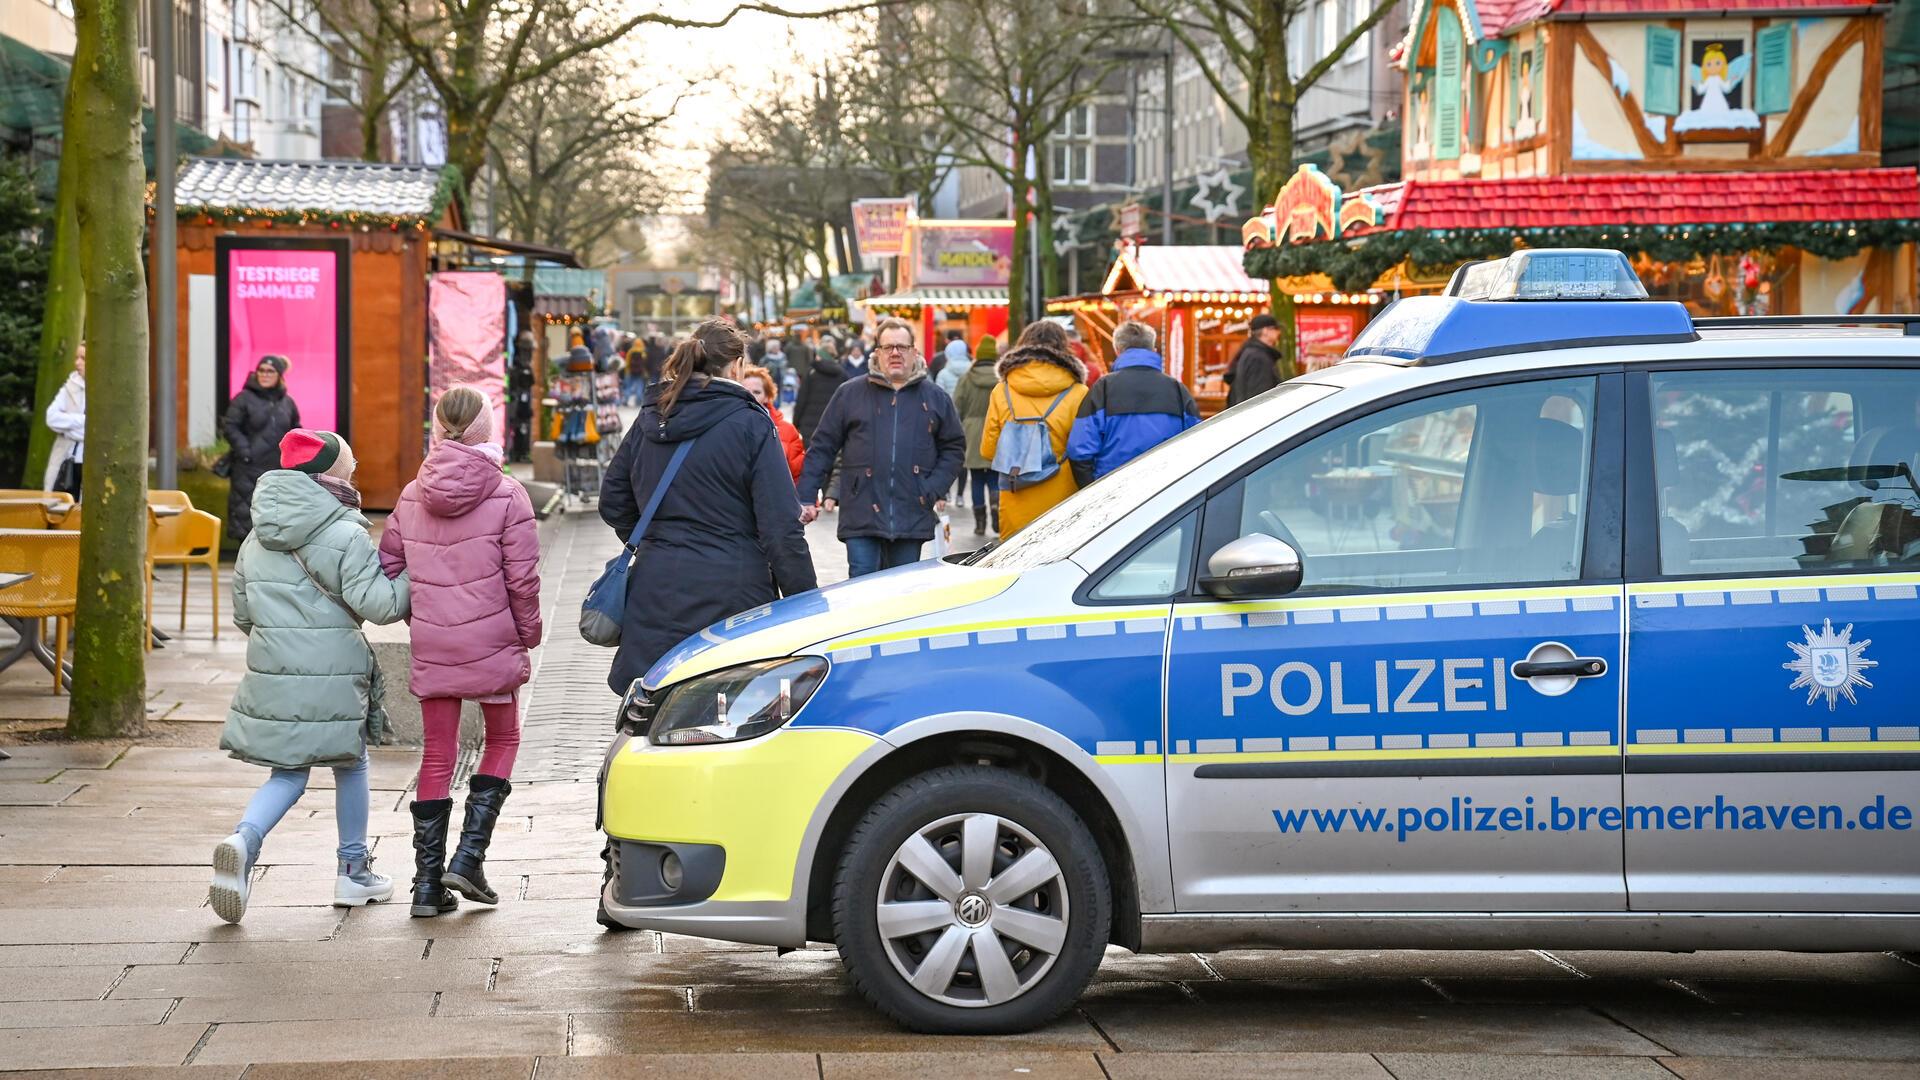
x=900, y=446
x=1130, y=411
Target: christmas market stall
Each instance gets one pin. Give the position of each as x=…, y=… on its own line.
x=326, y=263
x=953, y=276
x=1732, y=153
x=1199, y=299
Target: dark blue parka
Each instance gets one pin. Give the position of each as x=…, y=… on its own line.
x=727, y=536
x=1126, y=414
x=900, y=450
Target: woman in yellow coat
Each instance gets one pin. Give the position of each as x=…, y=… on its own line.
x=1039, y=368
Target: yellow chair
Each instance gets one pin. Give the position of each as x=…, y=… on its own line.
x=189, y=538
x=19, y=514
x=53, y=558
x=70, y=518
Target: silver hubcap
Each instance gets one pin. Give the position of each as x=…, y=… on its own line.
x=972, y=910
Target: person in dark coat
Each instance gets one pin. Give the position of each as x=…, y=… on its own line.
x=727, y=536
x=901, y=445
x=1256, y=367
x=820, y=376
x=258, y=417
x=1129, y=412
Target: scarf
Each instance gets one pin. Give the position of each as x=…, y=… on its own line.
x=342, y=490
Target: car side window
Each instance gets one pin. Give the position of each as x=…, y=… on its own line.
x=1157, y=571
x=1479, y=486
x=1786, y=470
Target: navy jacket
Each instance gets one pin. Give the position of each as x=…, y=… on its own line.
x=727, y=536
x=900, y=450
x=1129, y=412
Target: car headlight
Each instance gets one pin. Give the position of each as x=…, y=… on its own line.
x=736, y=703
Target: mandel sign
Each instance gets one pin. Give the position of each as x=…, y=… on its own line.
x=1311, y=208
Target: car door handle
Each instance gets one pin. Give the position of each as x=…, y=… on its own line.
x=1579, y=667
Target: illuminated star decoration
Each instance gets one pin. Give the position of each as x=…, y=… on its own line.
x=1222, y=204
x=1066, y=233
x=1829, y=664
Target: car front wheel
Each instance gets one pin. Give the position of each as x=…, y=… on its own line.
x=971, y=900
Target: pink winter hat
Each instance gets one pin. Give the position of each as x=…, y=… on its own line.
x=317, y=453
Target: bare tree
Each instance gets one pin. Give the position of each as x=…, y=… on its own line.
x=365, y=66
x=573, y=157
x=1002, y=76
x=1240, y=47
x=475, y=53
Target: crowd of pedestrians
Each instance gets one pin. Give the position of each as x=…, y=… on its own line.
x=710, y=493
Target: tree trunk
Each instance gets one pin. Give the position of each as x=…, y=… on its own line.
x=1017, y=313
x=1271, y=153
x=60, y=324
x=1043, y=222
x=103, y=130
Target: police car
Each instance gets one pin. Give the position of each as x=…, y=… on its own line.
x=1551, y=617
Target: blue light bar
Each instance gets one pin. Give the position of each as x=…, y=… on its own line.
x=1550, y=274
x=1443, y=329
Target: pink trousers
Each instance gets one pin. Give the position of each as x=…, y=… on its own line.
x=440, y=719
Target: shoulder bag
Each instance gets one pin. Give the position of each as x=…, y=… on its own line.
x=606, y=602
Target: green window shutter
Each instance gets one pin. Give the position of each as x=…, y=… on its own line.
x=1449, y=51
x=1539, y=78
x=1773, y=69
x=1663, y=71
x=1513, y=88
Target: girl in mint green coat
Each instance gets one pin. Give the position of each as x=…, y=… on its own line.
x=305, y=579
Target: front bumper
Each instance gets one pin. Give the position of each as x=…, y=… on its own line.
x=757, y=802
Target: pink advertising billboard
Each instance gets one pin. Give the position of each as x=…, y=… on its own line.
x=287, y=298
x=962, y=253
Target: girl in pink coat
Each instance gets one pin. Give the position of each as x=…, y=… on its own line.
x=464, y=531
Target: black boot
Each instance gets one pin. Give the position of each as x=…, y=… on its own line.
x=430, y=820
x=979, y=521
x=466, y=871
x=994, y=512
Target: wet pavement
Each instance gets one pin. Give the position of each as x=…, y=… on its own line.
x=111, y=963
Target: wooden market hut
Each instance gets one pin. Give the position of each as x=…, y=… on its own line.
x=382, y=217
x=1200, y=300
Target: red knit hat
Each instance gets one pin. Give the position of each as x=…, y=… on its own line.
x=316, y=453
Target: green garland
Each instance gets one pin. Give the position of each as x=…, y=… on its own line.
x=1355, y=265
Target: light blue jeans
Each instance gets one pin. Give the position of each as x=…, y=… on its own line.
x=284, y=788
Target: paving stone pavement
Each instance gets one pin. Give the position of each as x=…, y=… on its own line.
x=112, y=966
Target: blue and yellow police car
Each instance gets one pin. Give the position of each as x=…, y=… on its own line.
x=1551, y=617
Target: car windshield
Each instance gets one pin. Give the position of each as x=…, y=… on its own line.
x=1063, y=530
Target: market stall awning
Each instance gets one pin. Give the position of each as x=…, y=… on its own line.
x=942, y=296
x=1203, y=269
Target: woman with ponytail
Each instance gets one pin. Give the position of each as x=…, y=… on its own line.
x=726, y=536
x=464, y=531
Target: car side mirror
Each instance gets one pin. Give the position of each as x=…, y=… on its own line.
x=1254, y=567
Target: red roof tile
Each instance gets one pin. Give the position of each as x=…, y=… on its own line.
x=1702, y=198
x=1498, y=16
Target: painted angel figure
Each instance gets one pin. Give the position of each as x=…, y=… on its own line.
x=1713, y=79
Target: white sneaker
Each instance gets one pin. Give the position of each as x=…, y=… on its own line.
x=228, y=893
x=357, y=885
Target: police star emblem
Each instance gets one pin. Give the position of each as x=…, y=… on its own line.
x=1829, y=664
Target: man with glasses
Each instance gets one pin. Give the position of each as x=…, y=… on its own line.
x=900, y=446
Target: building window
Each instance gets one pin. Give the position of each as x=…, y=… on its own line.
x=1329, y=26
x=1072, y=164
x=1077, y=124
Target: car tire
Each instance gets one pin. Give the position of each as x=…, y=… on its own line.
x=600, y=903
x=1048, y=919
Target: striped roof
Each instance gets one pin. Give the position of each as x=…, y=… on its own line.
x=1183, y=269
